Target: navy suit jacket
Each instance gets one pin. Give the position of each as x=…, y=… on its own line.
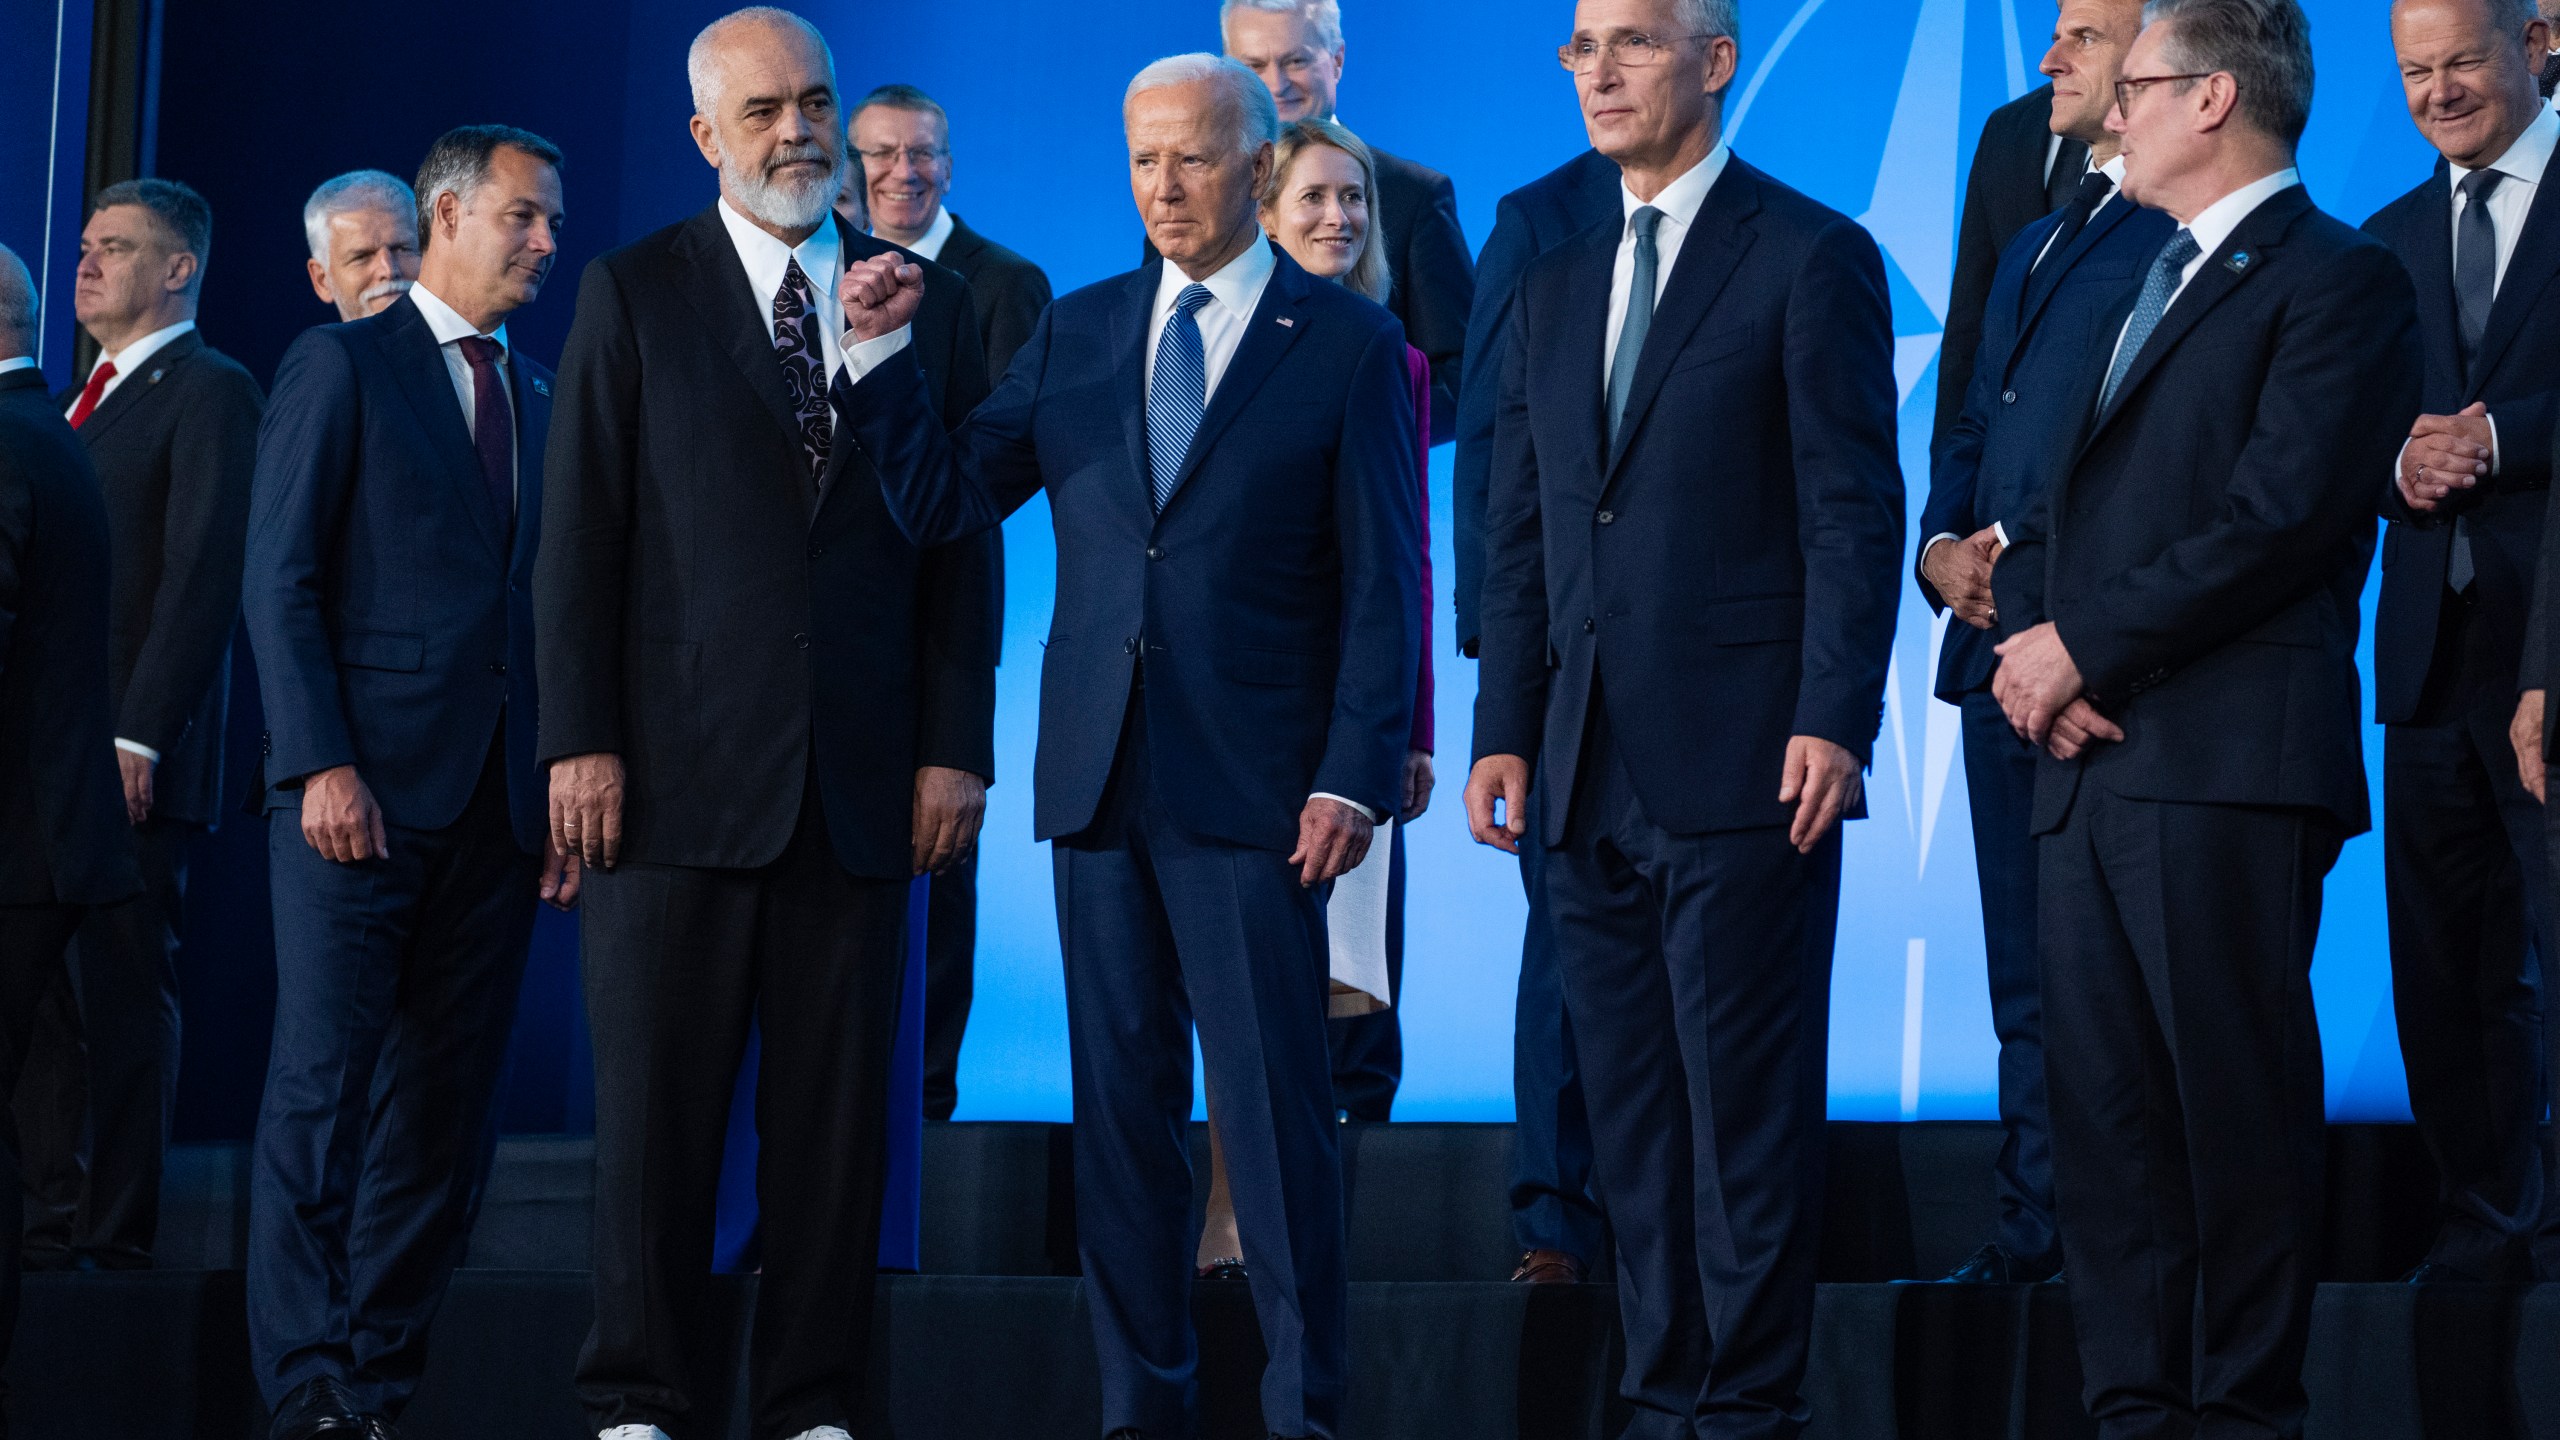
x=2203, y=546
x=390, y=609
x=1727, y=572
x=1995, y=459
x=1275, y=598
x=2518, y=373
x=1527, y=223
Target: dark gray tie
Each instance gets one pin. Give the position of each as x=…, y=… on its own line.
x=2168, y=273
x=1640, y=287
x=2475, y=289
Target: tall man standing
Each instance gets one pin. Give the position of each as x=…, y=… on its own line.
x=2465, y=867
x=2182, y=613
x=1225, y=698
x=2054, y=296
x=764, y=714
x=395, y=522
x=902, y=142
x=171, y=424
x=1692, y=877
x=363, y=231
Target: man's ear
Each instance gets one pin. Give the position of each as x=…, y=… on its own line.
x=320, y=282
x=182, y=272
x=708, y=143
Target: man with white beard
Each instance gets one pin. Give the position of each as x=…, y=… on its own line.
x=764, y=713
x=363, y=229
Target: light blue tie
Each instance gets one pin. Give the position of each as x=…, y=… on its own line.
x=1180, y=394
x=2156, y=290
x=1639, y=323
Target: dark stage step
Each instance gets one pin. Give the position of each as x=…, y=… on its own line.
x=161, y=1356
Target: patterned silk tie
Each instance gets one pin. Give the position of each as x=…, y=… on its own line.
x=1639, y=322
x=2156, y=291
x=1180, y=395
x=493, y=426
x=804, y=366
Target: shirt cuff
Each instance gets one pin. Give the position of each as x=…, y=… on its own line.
x=135, y=747
x=861, y=357
x=1374, y=816
x=2493, y=444
x=2000, y=532
x=1934, y=541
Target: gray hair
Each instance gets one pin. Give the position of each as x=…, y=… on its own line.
x=180, y=210
x=701, y=59
x=1248, y=100
x=1709, y=17
x=2263, y=45
x=1322, y=16
x=458, y=164
x=17, y=306
x=355, y=190
x=903, y=97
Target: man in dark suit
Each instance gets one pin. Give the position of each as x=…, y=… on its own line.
x=1554, y=1217
x=395, y=520
x=903, y=141
x=62, y=847
x=2182, y=613
x=171, y=425
x=2023, y=170
x=764, y=714
x=1690, y=664
x=2465, y=869
x=2052, y=299
x=1227, y=447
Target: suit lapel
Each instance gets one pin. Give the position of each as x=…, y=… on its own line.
x=1718, y=236
x=732, y=315
x=1129, y=321
x=2529, y=271
x=2246, y=251
x=2427, y=250
x=1583, y=331
x=1267, y=337
x=414, y=356
x=2047, y=277
x=531, y=389
x=139, y=387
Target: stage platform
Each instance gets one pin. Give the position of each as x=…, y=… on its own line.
x=993, y=1341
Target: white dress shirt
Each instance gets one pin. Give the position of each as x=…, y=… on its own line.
x=935, y=236
x=1678, y=202
x=450, y=330
x=821, y=258
x=17, y=362
x=129, y=359
x=2509, y=205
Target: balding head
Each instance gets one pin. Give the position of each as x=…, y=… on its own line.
x=754, y=38
x=766, y=116
x=17, y=306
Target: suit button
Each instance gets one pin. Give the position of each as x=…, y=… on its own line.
x=817, y=550
x=800, y=640
x=1608, y=517
x=497, y=667
x=2008, y=397
x=1155, y=552
x=1589, y=625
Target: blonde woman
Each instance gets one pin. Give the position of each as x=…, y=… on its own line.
x=1319, y=207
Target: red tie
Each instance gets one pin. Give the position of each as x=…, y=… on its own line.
x=90, y=392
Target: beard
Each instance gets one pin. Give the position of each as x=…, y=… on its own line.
x=794, y=204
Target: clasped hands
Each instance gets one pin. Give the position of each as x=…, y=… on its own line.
x=2446, y=456
x=2039, y=688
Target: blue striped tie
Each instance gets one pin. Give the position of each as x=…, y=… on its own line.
x=2157, y=290
x=1180, y=394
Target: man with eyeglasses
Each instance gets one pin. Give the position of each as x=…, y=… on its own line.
x=2182, y=608
x=1690, y=658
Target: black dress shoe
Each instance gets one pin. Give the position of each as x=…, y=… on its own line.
x=319, y=1409
x=2436, y=1272
x=1994, y=1265
x=378, y=1428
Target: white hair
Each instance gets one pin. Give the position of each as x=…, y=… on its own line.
x=701, y=59
x=1322, y=16
x=355, y=190
x=1248, y=100
x=17, y=306
x=1710, y=17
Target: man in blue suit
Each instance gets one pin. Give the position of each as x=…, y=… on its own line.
x=2051, y=299
x=1227, y=446
x=1554, y=1217
x=1692, y=552
x=395, y=517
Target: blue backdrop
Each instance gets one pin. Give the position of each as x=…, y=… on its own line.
x=1870, y=105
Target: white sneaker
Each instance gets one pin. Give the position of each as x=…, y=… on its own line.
x=633, y=1432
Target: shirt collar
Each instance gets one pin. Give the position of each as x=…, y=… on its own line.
x=2114, y=171
x=936, y=235
x=1679, y=200
x=2529, y=156
x=2215, y=224
x=767, y=258
x=17, y=362
x=446, y=323
x=1237, y=285
x=130, y=358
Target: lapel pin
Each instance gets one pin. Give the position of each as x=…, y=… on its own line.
x=2239, y=262
x=541, y=386
x=156, y=374
x=1285, y=320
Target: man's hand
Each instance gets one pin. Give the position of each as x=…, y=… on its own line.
x=586, y=807
x=137, y=783
x=1961, y=571
x=1333, y=839
x=339, y=818
x=560, y=877
x=1419, y=779
x=2080, y=727
x=880, y=295
x=2036, y=680
x=950, y=805
x=2446, y=455
x=1822, y=782
x=2525, y=733
x=1504, y=778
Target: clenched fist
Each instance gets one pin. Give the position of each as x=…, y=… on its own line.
x=880, y=295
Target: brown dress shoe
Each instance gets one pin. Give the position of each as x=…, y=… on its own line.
x=1548, y=1267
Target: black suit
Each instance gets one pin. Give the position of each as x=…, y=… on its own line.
x=2011, y=186
x=1633, y=597
x=173, y=447
x=1011, y=292
x=2200, y=552
x=2463, y=845
x=773, y=662
x=62, y=844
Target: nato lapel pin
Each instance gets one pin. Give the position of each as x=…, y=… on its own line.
x=2239, y=262
x=541, y=386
